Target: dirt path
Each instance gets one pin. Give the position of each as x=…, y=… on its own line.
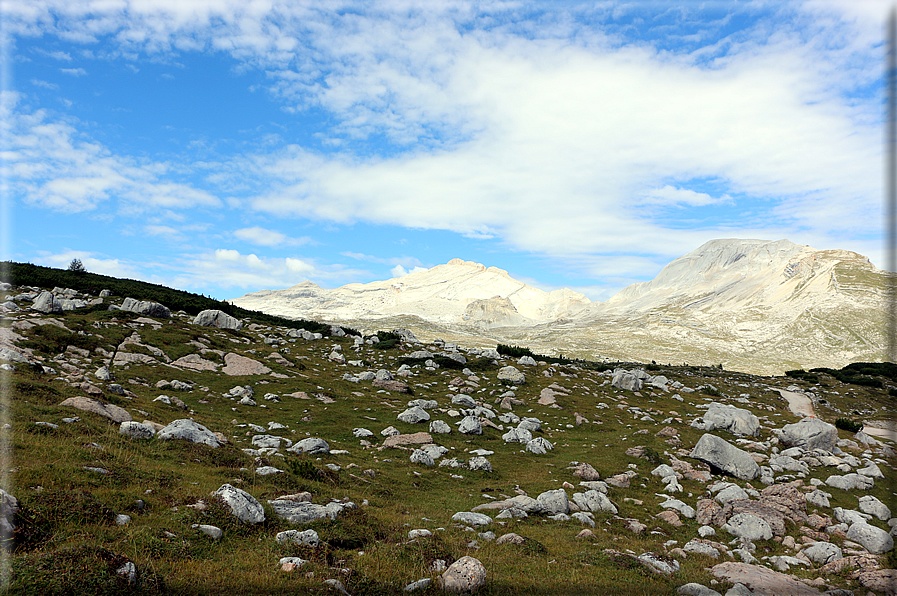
x=883, y=429
x=798, y=403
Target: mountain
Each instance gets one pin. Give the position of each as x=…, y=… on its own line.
x=753, y=305
x=457, y=293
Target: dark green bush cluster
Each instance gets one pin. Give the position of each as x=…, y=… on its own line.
x=514, y=351
x=52, y=340
x=850, y=376
x=802, y=375
x=849, y=425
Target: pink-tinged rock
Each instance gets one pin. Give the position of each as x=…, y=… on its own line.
x=195, y=362
x=762, y=581
x=670, y=517
x=236, y=365
x=464, y=575
x=122, y=358
x=586, y=534
x=421, y=438
x=881, y=580
x=548, y=397
x=113, y=413
x=396, y=386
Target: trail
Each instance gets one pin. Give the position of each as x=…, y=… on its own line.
x=798, y=403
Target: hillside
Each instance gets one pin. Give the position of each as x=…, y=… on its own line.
x=379, y=465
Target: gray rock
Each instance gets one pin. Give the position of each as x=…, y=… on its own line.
x=735, y=420
x=213, y=532
x=730, y=493
x=302, y=512
x=268, y=470
x=465, y=401
x=103, y=373
x=414, y=415
x=511, y=375
x=217, y=318
x=306, y=537
x=517, y=435
x=311, y=445
x=420, y=355
x=539, y=446
x=749, y=527
x=419, y=456
x=525, y=504
x=850, y=482
x=472, y=518
x=188, y=430
x=463, y=576
x=664, y=565
x=136, y=430
x=439, y=427
x=583, y=518
x=872, y=506
x=421, y=584
x=87, y=404
x=623, y=379
x=592, y=500
x=470, y=425
x=871, y=471
x=46, y=303
x=526, y=361
x=9, y=506
x=818, y=498
x=693, y=589
x=147, y=308
x=241, y=503
x=873, y=539
x=693, y=546
x=554, y=501
x=479, y=463
x=822, y=552
x=269, y=442
x=686, y=510
x=809, y=433
x=726, y=457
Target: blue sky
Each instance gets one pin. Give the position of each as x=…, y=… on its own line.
x=226, y=146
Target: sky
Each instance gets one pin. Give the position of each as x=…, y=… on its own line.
x=229, y=146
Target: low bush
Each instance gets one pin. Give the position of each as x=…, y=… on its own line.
x=849, y=425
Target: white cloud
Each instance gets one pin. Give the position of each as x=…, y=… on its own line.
x=230, y=269
x=75, y=72
x=50, y=163
x=670, y=195
x=44, y=84
x=399, y=271
x=264, y=237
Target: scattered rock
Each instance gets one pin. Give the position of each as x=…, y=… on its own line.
x=217, y=318
x=464, y=575
x=86, y=404
x=236, y=365
x=188, y=430
x=726, y=457
x=809, y=433
x=242, y=504
x=762, y=581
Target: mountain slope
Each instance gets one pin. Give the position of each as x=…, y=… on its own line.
x=459, y=292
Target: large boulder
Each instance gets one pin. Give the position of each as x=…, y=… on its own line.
x=749, y=527
x=761, y=581
x=243, y=505
x=146, y=308
x=511, y=375
x=809, y=433
x=311, y=445
x=873, y=539
x=735, y=420
x=554, y=501
x=628, y=381
x=87, y=404
x=217, y=318
x=463, y=576
x=46, y=303
x=188, y=430
x=301, y=512
x=726, y=457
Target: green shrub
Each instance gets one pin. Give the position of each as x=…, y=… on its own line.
x=849, y=425
x=514, y=351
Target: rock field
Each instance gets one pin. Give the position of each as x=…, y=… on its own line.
x=278, y=459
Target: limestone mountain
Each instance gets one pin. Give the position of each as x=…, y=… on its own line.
x=755, y=305
x=459, y=292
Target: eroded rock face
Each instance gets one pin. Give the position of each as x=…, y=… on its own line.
x=301, y=512
x=236, y=365
x=726, y=457
x=464, y=575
